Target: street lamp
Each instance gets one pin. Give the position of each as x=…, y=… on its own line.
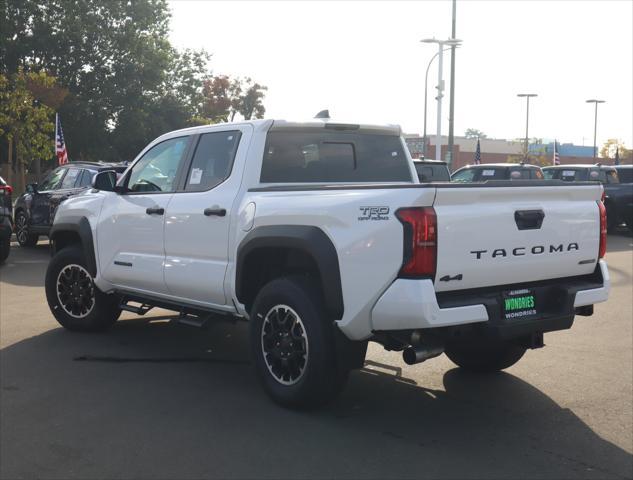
x=595, y=123
x=426, y=81
x=527, y=118
x=440, y=88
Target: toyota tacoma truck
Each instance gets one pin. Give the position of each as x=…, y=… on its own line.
x=320, y=235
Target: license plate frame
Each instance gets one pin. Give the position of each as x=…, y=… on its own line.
x=518, y=304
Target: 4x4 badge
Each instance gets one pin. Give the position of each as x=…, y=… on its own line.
x=448, y=278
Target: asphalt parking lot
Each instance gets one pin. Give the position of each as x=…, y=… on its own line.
x=154, y=399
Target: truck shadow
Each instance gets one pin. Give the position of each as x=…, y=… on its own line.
x=153, y=399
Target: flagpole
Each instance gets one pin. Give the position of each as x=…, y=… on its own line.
x=55, y=139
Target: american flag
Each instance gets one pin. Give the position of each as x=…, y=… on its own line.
x=556, y=158
x=60, y=145
x=478, y=154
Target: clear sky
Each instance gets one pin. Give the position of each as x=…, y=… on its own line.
x=363, y=61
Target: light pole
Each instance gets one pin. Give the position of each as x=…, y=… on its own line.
x=527, y=118
x=595, y=124
x=451, y=104
x=426, y=81
x=440, y=88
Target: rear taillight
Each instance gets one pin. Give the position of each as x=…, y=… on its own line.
x=603, y=230
x=420, y=241
x=7, y=189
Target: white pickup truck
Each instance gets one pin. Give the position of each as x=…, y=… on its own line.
x=320, y=236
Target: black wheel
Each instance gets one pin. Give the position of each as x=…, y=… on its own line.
x=293, y=346
x=74, y=300
x=485, y=356
x=5, y=248
x=25, y=239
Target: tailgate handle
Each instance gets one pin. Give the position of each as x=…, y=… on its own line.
x=529, y=219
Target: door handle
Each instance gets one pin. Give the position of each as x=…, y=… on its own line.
x=218, y=212
x=155, y=211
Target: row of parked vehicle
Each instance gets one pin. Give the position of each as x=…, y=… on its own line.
x=617, y=180
x=34, y=210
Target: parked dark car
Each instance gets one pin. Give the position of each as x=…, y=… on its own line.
x=35, y=208
x=432, y=170
x=625, y=198
x=625, y=173
x=618, y=196
x=497, y=171
x=6, y=226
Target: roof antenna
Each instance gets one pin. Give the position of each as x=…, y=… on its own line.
x=323, y=114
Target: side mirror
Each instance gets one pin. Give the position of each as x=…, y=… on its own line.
x=105, y=181
x=31, y=188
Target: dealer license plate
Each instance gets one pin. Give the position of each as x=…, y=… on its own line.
x=519, y=304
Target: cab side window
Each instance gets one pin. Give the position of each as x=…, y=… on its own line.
x=70, y=178
x=157, y=170
x=86, y=179
x=212, y=160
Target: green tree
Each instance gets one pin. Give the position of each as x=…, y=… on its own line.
x=226, y=97
x=474, y=133
x=611, y=145
x=250, y=101
x=26, y=122
x=125, y=81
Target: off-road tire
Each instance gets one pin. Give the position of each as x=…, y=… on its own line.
x=323, y=375
x=69, y=267
x=22, y=234
x=485, y=356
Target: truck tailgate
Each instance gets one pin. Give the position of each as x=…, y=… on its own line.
x=505, y=235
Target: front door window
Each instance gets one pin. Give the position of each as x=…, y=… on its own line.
x=157, y=170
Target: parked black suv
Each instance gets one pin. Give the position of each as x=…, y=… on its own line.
x=618, y=195
x=5, y=219
x=431, y=170
x=497, y=171
x=35, y=208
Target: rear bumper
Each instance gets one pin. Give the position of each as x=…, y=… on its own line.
x=413, y=305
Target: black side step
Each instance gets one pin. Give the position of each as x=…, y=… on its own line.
x=193, y=321
x=142, y=310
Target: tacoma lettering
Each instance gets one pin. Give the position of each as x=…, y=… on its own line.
x=521, y=251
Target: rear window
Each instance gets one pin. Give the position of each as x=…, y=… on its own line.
x=324, y=157
x=432, y=173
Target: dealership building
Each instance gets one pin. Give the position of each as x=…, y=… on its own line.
x=498, y=150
